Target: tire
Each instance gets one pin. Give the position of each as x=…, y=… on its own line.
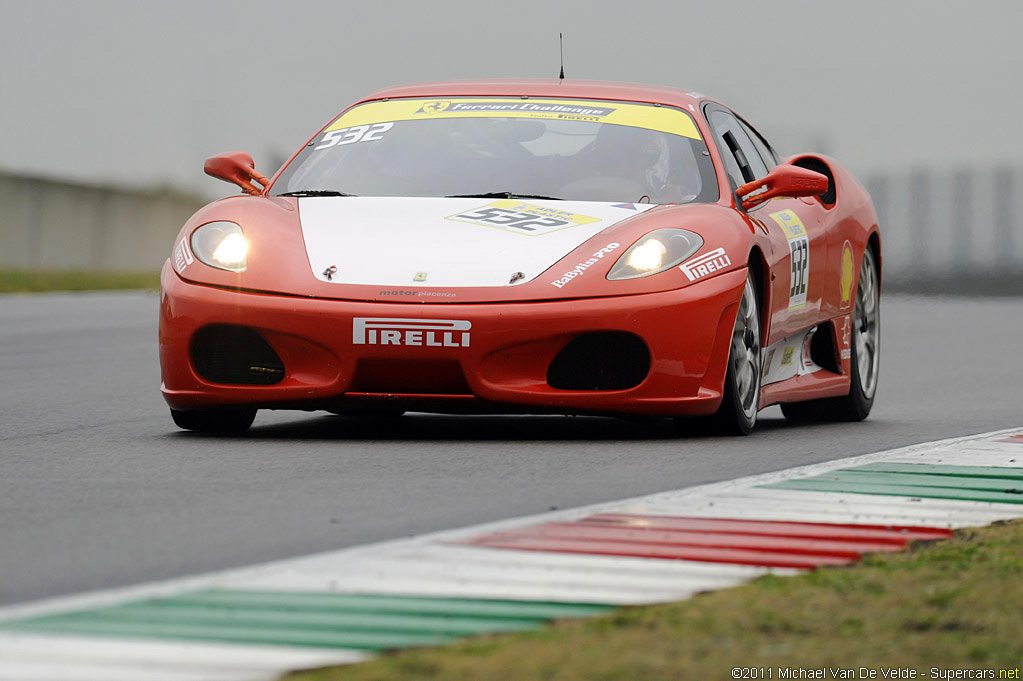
x=865, y=356
x=740, y=401
x=214, y=421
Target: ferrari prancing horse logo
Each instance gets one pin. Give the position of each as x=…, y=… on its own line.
x=434, y=107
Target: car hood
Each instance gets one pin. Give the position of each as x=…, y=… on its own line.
x=447, y=243
x=463, y=250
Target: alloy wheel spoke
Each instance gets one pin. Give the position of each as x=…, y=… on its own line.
x=866, y=326
x=746, y=352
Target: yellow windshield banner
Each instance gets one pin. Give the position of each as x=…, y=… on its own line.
x=660, y=118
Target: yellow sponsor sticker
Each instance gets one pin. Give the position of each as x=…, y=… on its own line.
x=799, y=250
x=521, y=217
x=789, y=223
x=660, y=118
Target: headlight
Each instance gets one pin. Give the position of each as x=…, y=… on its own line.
x=658, y=251
x=221, y=245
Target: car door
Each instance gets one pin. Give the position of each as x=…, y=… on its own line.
x=796, y=249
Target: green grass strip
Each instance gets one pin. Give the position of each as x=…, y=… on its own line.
x=35, y=281
x=951, y=604
x=360, y=621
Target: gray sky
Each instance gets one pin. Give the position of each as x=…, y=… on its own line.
x=140, y=93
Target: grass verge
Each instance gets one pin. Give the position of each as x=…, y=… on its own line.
x=950, y=604
x=33, y=281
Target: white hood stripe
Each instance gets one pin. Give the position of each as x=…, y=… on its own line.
x=422, y=242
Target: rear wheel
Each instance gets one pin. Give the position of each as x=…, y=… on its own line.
x=219, y=421
x=741, y=400
x=866, y=358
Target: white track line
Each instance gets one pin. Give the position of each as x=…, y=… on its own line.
x=32, y=656
x=473, y=572
x=831, y=507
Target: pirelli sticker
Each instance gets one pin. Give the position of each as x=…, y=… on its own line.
x=799, y=249
x=660, y=118
x=521, y=217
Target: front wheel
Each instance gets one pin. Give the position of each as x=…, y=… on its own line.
x=865, y=358
x=214, y=421
x=741, y=400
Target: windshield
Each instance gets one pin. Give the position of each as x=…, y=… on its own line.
x=507, y=147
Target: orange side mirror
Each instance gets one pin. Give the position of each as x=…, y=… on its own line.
x=783, y=180
x=236, y=167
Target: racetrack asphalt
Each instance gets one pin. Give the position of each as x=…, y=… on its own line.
x=99, y=489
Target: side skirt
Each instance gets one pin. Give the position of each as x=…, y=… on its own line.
x=807, y=365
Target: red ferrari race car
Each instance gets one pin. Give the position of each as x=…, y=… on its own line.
x=531, y=247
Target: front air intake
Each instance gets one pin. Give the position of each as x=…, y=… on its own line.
x=223, y=353
x=605, y=360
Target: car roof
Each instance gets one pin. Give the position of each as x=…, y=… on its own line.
x=551, y=88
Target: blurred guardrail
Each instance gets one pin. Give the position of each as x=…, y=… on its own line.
x=952, y=231
x=948, y=231
x=55, y=225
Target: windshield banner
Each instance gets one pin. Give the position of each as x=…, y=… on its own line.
x=660, y=118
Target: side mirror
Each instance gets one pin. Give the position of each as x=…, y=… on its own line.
x=783, y=180
x=238, y=168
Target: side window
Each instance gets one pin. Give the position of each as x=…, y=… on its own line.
x=762, y=145
x=742, y=160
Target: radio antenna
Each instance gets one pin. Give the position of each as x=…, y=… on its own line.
x=561, y=46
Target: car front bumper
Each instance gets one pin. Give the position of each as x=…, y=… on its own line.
x=498, y=365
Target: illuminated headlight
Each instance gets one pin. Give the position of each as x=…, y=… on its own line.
x=221, y=245
x=658, y=251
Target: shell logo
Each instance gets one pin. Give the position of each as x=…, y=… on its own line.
x=847, y=273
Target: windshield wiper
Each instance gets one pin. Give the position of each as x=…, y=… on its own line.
x=503, y=195
x=315, y=192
